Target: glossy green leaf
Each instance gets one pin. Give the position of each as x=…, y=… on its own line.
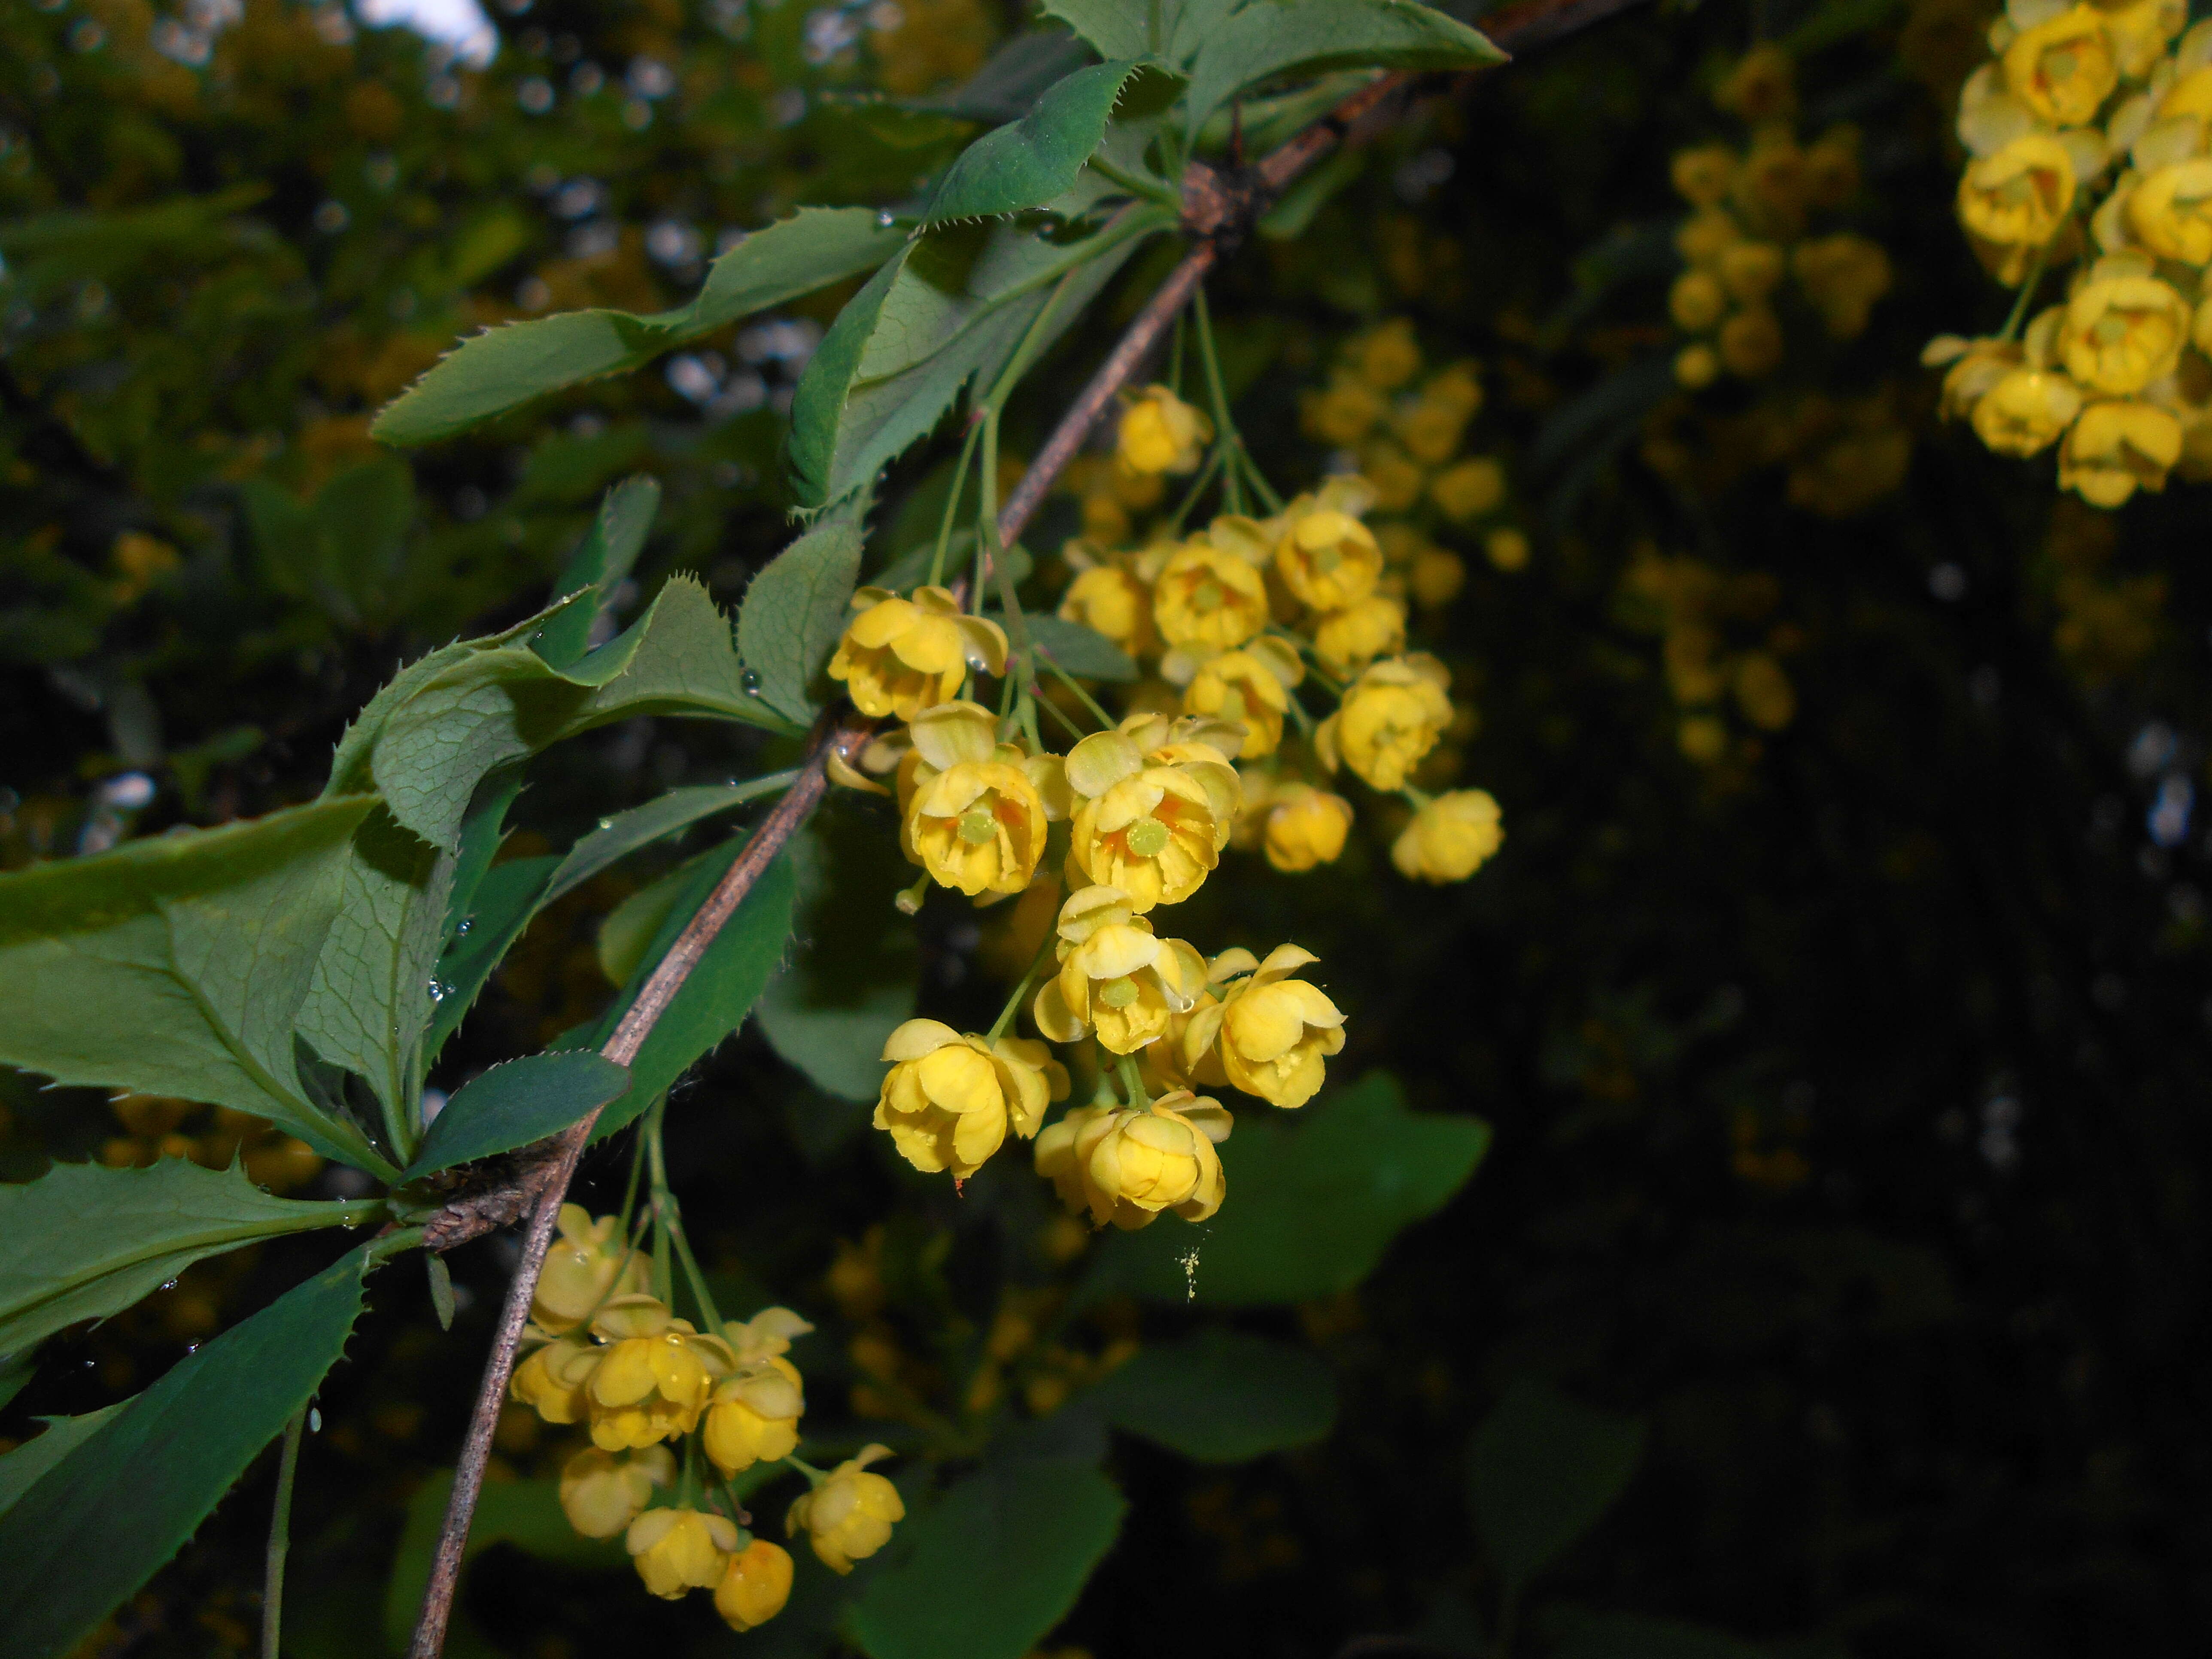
x=1221, y=1396
x=795, y=610
x=176, y=965
x=509, y=895
x=606, y=556
x=620, y=836
x=1540, y=1471
x=524, y=1513
x=1269, y=38
x=505, y=367
x=1315, y=1198
x=950, y=313
x=20, y=1468
x=1027, y=162
x=992, y=1564
x=1080, y=650
x=719, y=992
x=84, y=1241
x=107, y=1515
x=518, y=1104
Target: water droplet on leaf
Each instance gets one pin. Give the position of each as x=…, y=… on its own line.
x=750, y=680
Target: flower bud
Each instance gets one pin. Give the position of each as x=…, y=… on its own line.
x=602, y=1492
x=849, y=1515
x=678, y=1550
x=1160, y=433
x=755, y=1586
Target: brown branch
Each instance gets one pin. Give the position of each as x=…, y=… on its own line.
x=1220, y=207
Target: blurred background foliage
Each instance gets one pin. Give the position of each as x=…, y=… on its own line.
x=1839, y=1005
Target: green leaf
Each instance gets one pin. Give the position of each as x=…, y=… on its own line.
x=1027, y=162
x=990, y=1565
x=1114, y=28
x=719, y=992
x=1541, y=1469
x=343, y=548
x=1079, y=649
x=20, y=1468
x=98, y=1523
x=1576, y=1632
x=518, y=1104
x=839, y=1049
x=85, y=1241
x=618, y=836
x=524, y=1513
x=599, y=567
x=507, y=368
x=1315, y=1198
x=953, y=310
x=794, y=611
x=1011, y=80
x=1221, y=1396
x=1306, y=36
x=176, y=965
x=509, y=895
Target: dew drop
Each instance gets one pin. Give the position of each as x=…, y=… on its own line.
x=886, y=219
x=750, y=680
x=437, y=991
x=168, y=1284
x=463, y=926
x=606, y=823
x=314, y=1420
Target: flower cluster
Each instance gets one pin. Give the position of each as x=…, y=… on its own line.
x=2089, y=132
x=1750, y=230
x=608, y=1356
x=1229, y=630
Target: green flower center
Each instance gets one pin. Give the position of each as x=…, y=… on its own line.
x=978, y=827
x=1147, y=838
x=1118, y=992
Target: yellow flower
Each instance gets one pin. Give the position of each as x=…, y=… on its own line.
x=848, y=1517
x=1702, y=738
x=1697, y=366
x=753, y=1417
x=1397, y=481
x=1131, y=1163
x=1750, y=271
x=1507, y=549
x=1349, y=640
x=551, y=1380
x=1306, y=827
x=587, y=1265
x=1387, y=356
x=1468, y=489
x=1697, y=300
x=1241, y=686
x=1971, y=368
x=1775, y=185
x=1842, y=275
x=979, y=827
x=901, y=656
x=949, y=1099
x=1762, y=87
x=1055, y=1155
x=601, y=1493
x=1751, y=343
x=1160, y=433
x=1763, y=692
x=653, y=1380
x=1391, y=716
x=2171, y=211
x=1327, y=557
x=1109, y=599
x=2063, y=69
x=679, y=1550
x=1832, y=167
x=1342, y=415
x=1704, y=177
x=755, y=1586
x=1272, y=1032
x=1449, y=838
x=1119, y=982
x=1432, y=426
x=2025, y=410
x=2139, y=31
x=2016, y=200
x=1437, y=576
x=766, y=1335
x=1209, y=599
x=1706, y=234
x=2123, y=332
x=2116, y=448
x=1155, y=834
